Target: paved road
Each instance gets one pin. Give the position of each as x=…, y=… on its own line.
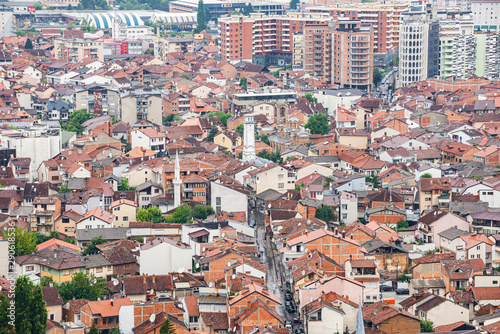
x=272, y=260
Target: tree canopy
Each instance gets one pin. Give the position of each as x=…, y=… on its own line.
x=152, y=214
x=213, y=132
x=201, y=211
x=325, y=213
x=167, y=327
x=82, y=285
x=310, y=97
x=24, y=241
x=91, y=247
x=222, y=116
x=31, y=312
x=318, y=124
x=28, y=45
x=239, y=129
x=201, y=17
x=181, y=215
x=124, y=185
x=273, y=156
x=76, y=119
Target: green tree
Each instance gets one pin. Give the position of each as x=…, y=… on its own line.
x=91, y=247
x=318, y=124
x=201, y=211
x=213, y=132
x=208, y=17
x=20, y=33
x=124, y=185
x=222, y=116
x=167, y=327
x=310, y=97
x=152, y=214
x=275, y=156
x=69, y=7
x=180, y=215
x=38, y=312
x=263, y=138
x=244, y=83
x=185, y=76
x=325, y=213
x=93, y=329
x=402, y=225
x=28, y=45
x=373, y=179
x=377, y=76
x=38, y=6
x=82, y=285
x=239, y=129
x=248, y=9
x=94, y=4
x=31, y=312
x=200, y=18
x=294, y=3
x=115, y=330
x=5, y=328
x=64, y=188
x=426, y=326
x=76, y=119
x=426, y=176
x=149, y=52
x=24, y=241
x=167, y=120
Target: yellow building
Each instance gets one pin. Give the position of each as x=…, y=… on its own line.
x=228, y=140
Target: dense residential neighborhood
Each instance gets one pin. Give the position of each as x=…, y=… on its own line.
x=249, y=167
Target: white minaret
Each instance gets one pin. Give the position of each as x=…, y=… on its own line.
x=248, y=138
x=177, y=181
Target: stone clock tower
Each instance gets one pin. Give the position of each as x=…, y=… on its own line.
x=248, y=138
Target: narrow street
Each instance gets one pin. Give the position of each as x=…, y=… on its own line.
x=271, y=259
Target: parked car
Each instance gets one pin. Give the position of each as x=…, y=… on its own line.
x=288, y=324
x=386, y=288
x=288, y=296
x=403, y=291
x=288, y=304
x=299, y=331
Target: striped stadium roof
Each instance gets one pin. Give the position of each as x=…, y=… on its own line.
x=105, y=20
x=175, y=18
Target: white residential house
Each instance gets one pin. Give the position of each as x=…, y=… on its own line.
x=348, y=207
x=427, y=169
x=96, y=218
x=175, y=257
x=320, y=316
x=149, y=138
x=439, y=310
x=224, y=198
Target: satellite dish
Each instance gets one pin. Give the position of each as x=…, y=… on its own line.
x=223, y=235
x=197, y=265
x=229, y=263
x=476, y=308
x=204, y=249
x=152, y=317
x=115, y=281
x=303, y=272
x=210, y=284
x=152, y=291
x=233, y=276
x=181, y=270
x=351, y=273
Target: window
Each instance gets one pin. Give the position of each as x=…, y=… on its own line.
x=281, y=185
x=52, y=316
x=30, y=268
x=125, y=219
x=193, y=319
x=65, y=220
x=65, y=272
x=478, y=247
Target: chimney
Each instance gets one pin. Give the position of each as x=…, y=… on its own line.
x=343, y=234
x=153, y=278
x=144, y=278
x=111, y=301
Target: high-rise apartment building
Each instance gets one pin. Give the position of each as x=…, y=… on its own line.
x=418, y=49
x=487, y=55
x=486, y=15
x=268, y=35
x=380, y=16
x=75, y=49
